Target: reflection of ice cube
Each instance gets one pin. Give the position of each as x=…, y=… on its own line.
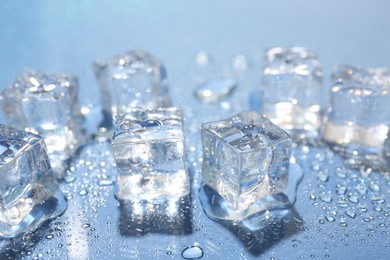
x=246, y=158
x=46, y=104
x=292, y=88
x=359, y=114
x=132, y=80
x=148, y=149
x=27, y=183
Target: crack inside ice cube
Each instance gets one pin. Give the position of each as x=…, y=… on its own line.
x=246, y=158
x=29, y=192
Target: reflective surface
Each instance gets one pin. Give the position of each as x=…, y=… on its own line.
x=338, y=211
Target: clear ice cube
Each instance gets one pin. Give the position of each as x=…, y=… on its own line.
x=148, y=149
x=29, y=192
x=292, y=88
x=46, y=105
x=246, y=158
x=135, y=79
x=359, y=112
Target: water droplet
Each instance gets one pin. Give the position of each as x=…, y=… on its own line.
x=340, y=189
x=353, y=199
x=326, y=197
x=377, y=200
x=202, y=58
x=192, y=252
x=86, y=225
x=215, y=90
x=105, y=182
x=69, y=178
x=322, y=177
x=341, y=172
x=373, y=186
x=330, y=219
x=240, y=63
x=350, y=214
x=83, y=192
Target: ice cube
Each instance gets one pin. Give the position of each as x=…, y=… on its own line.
x=292, y=89
x=134, y=79
x=358, y=115
x=46, y=105
x=29, y=192
x=245, y=158
x=148, y=149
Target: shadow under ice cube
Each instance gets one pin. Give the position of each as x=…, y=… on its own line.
x=29, y=192
x=359, y=113
x=134, y=79
x=148, y=147
x=245, y=159
x=46, y=105
x=292, y=88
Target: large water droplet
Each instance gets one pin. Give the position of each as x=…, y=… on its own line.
x=192, y=252
x=215, y=90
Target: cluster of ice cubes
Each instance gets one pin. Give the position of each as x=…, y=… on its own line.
x=246, y=158
x=356, y=120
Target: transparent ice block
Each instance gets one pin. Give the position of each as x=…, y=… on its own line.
x=292, y=88
x=29, y=192
x=245, y=158
x=134, y=79
x=359, y=113
x=46, y=105
x=148, y=149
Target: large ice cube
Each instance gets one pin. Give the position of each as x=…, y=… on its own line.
x=148, y=149
x=359, y=113
x=246, y=158
x=29, y=192
x=292, y=88
x=47, y=105
x=135, y=79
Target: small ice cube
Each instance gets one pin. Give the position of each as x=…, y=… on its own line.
x=46, y=105
x=292, y=88
x=148, y=147
x=358, y=115
x=134, y=79
x=246, y=158
x=29, y=192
